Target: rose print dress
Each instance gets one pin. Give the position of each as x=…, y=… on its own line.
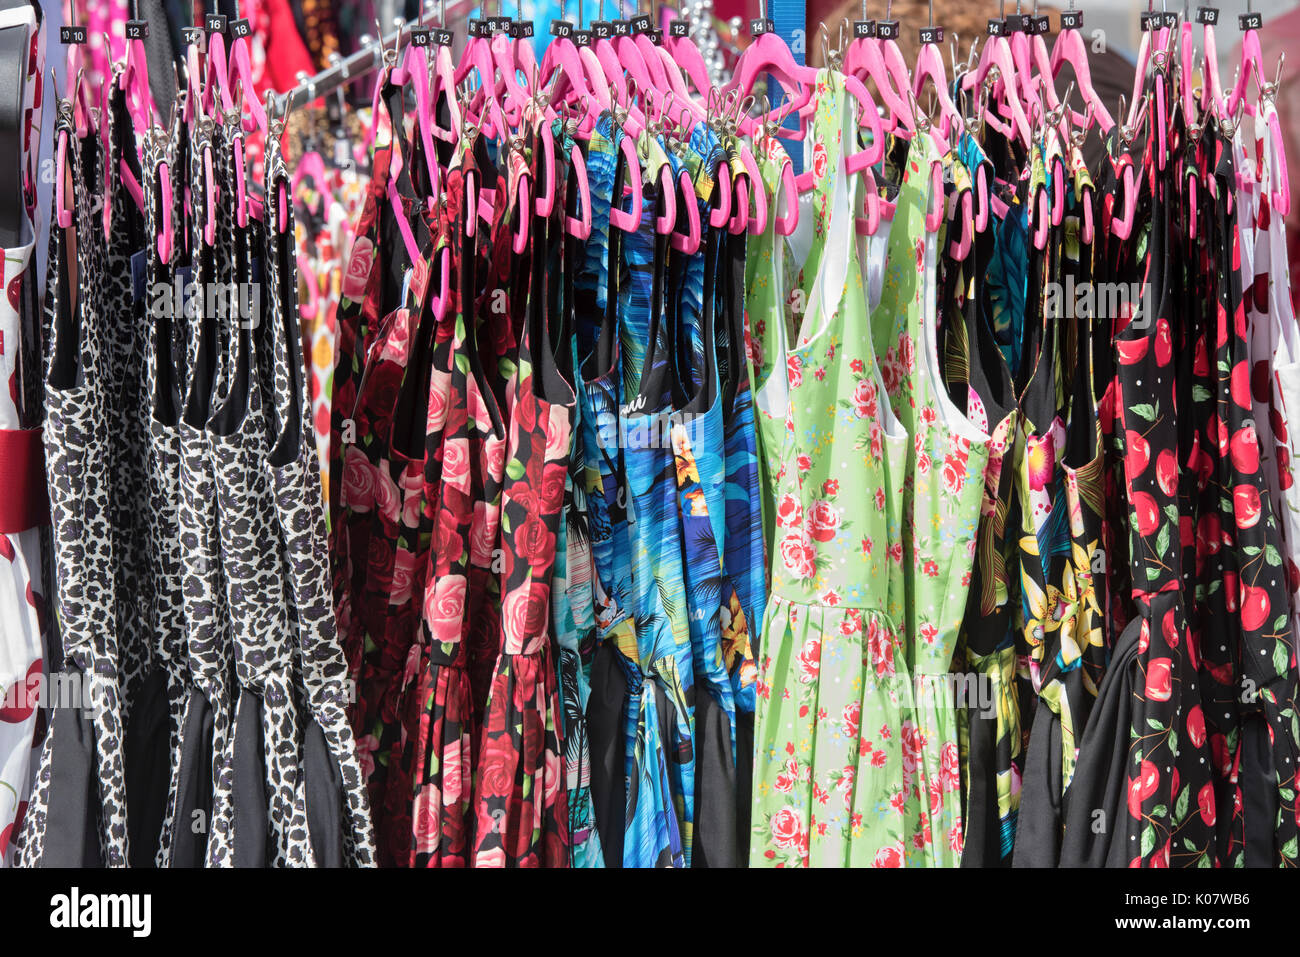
x=520, y=800
x=942, y=498
x=767, y=332
x=834, y=685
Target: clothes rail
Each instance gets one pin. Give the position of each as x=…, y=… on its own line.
x=365, y=60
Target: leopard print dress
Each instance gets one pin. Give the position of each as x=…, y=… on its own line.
x=261, y=787
x=294, y=472
x=163, y=471
x=77, y=815
x=200, y=835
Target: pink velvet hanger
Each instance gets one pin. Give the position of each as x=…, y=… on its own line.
x=686, y=55
x=1211, y=89
x=418, y=72
x=1069, y=48
x=1252, y=63
x=1122, y=226
x=997, y=59
x=863, y=59
x=1280, y=181
x=768, y=53
x=689, y=241
x=929, y=65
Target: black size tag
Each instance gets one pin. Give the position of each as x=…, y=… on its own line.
x=1250, y=21
x=72, y=34
x=1016, y=23
x=1168, y=18
x=441, y=37
x=419, y=36
x=997, y=27
x=864, y=28
x=1042, y=24
x=521, y=29
x=1208, y=15
x=1149, y=21
x=1071, y=19
x=561, y=28
x=621, y=28
x=656, y=36
x=678, y=28
x=582, y=38
x=930, y=34
x=760, y=25
x=887, y=29
x=137, y=29
x=601, y=30
x=241, y=28
x=192, y=35
x=641, y=24
x=474, y=28
x=214, y=22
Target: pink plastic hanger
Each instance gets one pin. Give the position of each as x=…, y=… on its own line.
x=277, y=177
x=1143, y=62
x=981, y=203
x=477, y=57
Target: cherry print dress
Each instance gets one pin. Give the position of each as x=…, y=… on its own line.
x=25, y=634
x=834, y=685
x=1286, y=358
x=1262, y=753
x=1150, y=697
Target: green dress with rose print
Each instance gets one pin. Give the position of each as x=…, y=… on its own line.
x=942, y=493
x=834, y=686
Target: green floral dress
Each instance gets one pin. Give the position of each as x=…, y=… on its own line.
x=834, y=693
x=943, y=486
